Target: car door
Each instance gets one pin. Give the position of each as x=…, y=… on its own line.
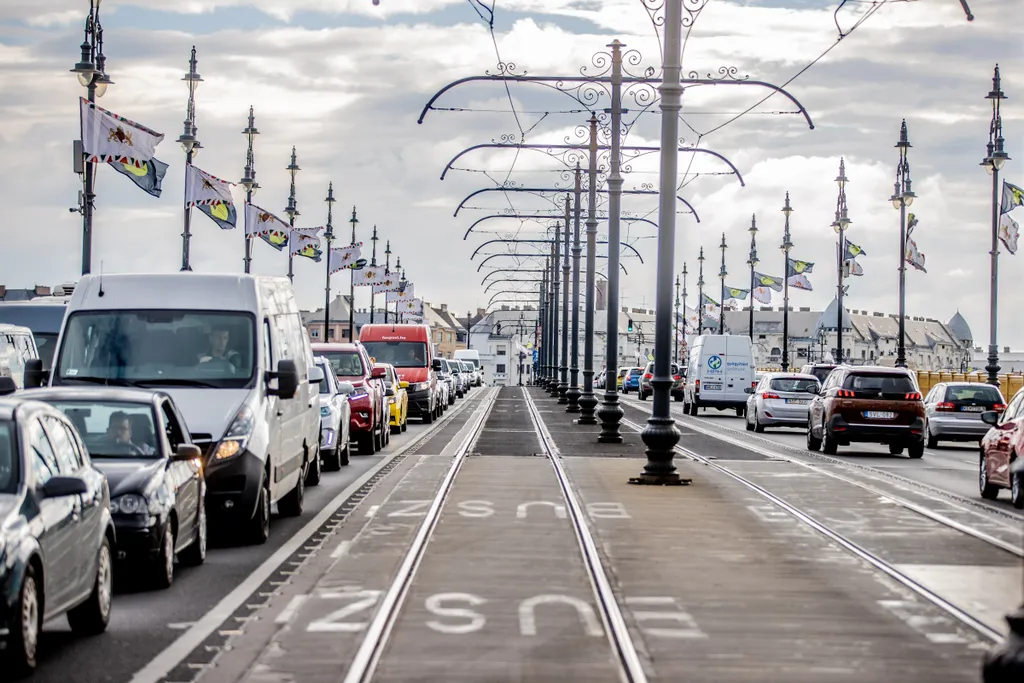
x=998, y=453
x=184, y=474
x=274, y=346
x=61, y=517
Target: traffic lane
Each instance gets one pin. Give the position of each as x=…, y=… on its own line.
x=145, y=622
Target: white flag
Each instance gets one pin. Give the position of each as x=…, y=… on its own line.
x=414, y=307
x=371, y=275
x=763, y=295
x=800, y=281
x=692, y=320
x=1009, y=230
x=390, y=283
x=260, y=223
x=204, y=189
x=344, y=257
x=408, y=294
x=854, y=268
x=914, y=256
x=108, y=137
x=304, y=242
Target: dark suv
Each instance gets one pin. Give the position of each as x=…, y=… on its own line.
x=867, y=404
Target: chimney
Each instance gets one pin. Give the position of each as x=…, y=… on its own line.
x=3, y=292
x=1006, y=349
x=444, y=308
x=42, y=291
x=481, y=312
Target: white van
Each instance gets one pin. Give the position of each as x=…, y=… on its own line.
x=720, y=368
x=473, y=356
x=232, y=352
x=17, y=347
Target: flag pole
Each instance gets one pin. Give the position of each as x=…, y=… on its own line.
x=190, y=143
x=352, y=285
x=328, y=238
x=249, y=180
x=293, y=211
x=373, y=264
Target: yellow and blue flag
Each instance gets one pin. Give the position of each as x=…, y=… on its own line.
x=221, y=213
x=148, y=175
x=762, y=280
x=852, y=251
x=795, y=267
x=1013, y=197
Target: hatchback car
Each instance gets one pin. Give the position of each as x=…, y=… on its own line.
x=870, y=405
x=953, y=411
x=1001, y=451
x=678, y=378
x=56, y=531
x=398, y=399
x=335, y=418
x=139, y=441
x=632, y=380
x=780, y=400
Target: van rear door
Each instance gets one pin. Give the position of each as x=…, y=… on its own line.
x=712, y=368
x=739, y=373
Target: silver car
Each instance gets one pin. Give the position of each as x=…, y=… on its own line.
x=780, y=399
x=953, y=411
x=335, y=418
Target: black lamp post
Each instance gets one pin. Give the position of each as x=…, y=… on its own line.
x=249, y=180
x=373, y=264
x=722, y=274
x=387, y=271
x=91, y=72
x=700, y=293
x=352, y=284
x=840, y=225
x=752, y=262
x=993, y=163
x=787, y=245
x=680, y=360
x=902, y=197
x=328, y=239
x=190, y=144
x=675, y=325
x=292, y=211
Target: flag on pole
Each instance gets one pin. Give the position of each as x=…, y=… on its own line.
x=736, y=293
x=261, y=223
x=304, y=242
x=913, y=256
x=691, y=320
x=390, y=283
x=853, y=251
x=211, y=195
x=711, y=307
x=344, y=257
x=414, y=307
x=407, y=294
x=108, y=137
x=371, y=275
x=800, y=281
x=795, y=267
x=1013, y=197
x=148, y=177
x=763, y=295
x=762, y=280
x=853, y=268
x=1009, y=230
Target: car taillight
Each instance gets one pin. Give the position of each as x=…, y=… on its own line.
x=999, y=406
x=676, y=377
x=844, y=393
x=913, y=396
x=648, y=376
x=770, y=394
x=696, y=384
x=753, y=385
x=944, y=407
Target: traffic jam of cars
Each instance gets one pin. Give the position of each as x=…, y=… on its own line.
x=172, y=409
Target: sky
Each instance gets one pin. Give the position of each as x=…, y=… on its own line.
x=344, y=82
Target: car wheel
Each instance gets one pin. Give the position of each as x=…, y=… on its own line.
x=1016, y=487
x=932, y=441
x=694, y=407
x=93, y=615
x=988, y=491
x=828, y=443
x=259, y=523
x=315, y=470
x=747, y=423
x=813, y=442
x=24, y=638
x=428, y=416
x=895, y=449
x=195, y=554
x=343, y=456
x=916, y=450
x=643, y=396
x=291, y=504
x=332, y=459
x=740, y=412
x=366, y=444
x=678, y=398
x=758, y=427
x=162, y=568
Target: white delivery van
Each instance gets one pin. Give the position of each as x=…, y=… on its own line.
x=720, y=368
x=232, y=352
x=473, y=356
x=17, y=347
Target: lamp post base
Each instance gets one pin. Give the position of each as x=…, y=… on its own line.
x=588, y=402
x=552, y=387
x=660, y=437
x=610, y=415
x=573, y=396
x=992, y=368
x=563, y=389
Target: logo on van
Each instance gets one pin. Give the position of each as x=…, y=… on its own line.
x=715, y=362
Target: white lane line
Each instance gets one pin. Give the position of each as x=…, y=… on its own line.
x=291, y=608
x=341, y=550
x=174, y=653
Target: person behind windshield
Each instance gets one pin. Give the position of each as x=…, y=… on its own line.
x=218, y=349
x=412, y=354
x=119, y=435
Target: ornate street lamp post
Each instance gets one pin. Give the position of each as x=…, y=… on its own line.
x=249, y=180
x=700, y=293
x=352, y=285
x=675, y=325
x=373, y=264
x=683, y=323
x=993, y=163
x=722, y=274
x=328, y=239
x=387, y=271
x=787, y=245
x=752, y=262
x=292, y=211
x=902, y=197
x=841, y=223
x=190, y=144
x=92, y=74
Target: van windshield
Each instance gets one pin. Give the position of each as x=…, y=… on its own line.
x=158, y=348
x=9, y=459
x=401, y=354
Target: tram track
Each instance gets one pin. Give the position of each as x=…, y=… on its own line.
x=379, y=636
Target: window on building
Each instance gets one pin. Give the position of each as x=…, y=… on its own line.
x=501, y=350
x=330, y=333
x=314, y=333
x=499, y=368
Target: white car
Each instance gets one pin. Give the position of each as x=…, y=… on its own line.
x=335, y=418
x=780, y=399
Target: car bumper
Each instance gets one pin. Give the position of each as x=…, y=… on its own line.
x=876, y=432
x=138, y=536
x=782, y=414
x=718, y=403
x=956, y=428
x=361, y=420
x=419, y=403
x=233, y=487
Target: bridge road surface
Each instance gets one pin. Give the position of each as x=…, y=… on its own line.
x=713, y=586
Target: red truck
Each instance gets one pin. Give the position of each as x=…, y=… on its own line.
x=370, y=417
x=409, y=349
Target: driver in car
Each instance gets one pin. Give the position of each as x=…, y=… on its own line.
x=119, y=435
x=218, y=349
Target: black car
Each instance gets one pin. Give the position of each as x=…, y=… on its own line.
x=56, y=532
x=138, y=439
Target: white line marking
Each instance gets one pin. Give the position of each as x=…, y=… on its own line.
x=291, y=608
x=341, y=550
x=173, y=654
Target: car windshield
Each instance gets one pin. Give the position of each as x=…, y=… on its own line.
x=401, y=354
x=9, y=460
x=46, y=345
x=797, y=384
x=113, y=429
x=886, y=383
x=975, y=392
x=325, y=383
x=158, y=348
x=820, y=372
x=345, y=363
x=635, y=371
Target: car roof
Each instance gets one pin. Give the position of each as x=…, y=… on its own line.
x=10, y=406
x=335, y=346
x=876, y=369
x=790, y=375
x=96, y=393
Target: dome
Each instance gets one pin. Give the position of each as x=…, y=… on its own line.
x=827, y=319
x=960, y=329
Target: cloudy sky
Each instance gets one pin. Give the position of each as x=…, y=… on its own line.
x=344, y=82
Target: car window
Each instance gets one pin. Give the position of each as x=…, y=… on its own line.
x=67, y=459
x=44, y=463
x=172, y=428
x=345, y=363
x=268, y=357
x=886, y=383
x=798, y=384
x=113, y=429
x=9, y=460
x=974, y=392
x=1012, y=410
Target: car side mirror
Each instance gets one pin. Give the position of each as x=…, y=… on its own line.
x=389, y=392
x=316, y=375
x=60, y=487
x=990, y=417
x=378, y=373
x=35, y=375
x=7, y=386
x=186, y=452
x=287, y=377
x=403, y=384
x=436, y=365
x=346, y=388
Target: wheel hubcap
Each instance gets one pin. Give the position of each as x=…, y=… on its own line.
x=30, y=618
x=202, y=532
x=169, y=552
x=104, y=581
x=1015, y=486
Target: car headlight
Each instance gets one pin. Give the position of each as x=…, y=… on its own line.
x=129, y=504
x=357, y=394
x=237, y=435
x=419, y=386
x=325, y=411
